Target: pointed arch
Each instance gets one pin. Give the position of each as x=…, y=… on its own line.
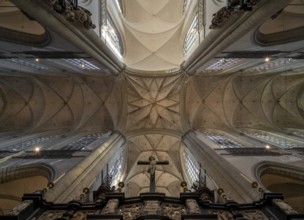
x=285, y=179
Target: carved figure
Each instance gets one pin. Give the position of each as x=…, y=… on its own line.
x=16, y=210
x=73, y=13
x=220, y=17
x=192, y=206
x=222, y=215
x=111, y=207
x=173, y=211
x=254, y=215
x=84, y=16
x=79, y=216
x=50, y=215
x=152, y=165
x=131, y=212
x=151, y=170
x=284, y=206
x=151, y=207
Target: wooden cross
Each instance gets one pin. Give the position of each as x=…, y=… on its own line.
x=152, y=166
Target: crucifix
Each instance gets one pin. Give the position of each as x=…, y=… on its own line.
x=152, y=166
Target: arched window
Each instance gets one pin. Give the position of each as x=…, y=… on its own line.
x=191, y=166
x=29, y=143
x=17, y=180
x=192, y=36
x=275, y=139
x=222, y=140
x=111, y=35
x=83, y=142
x=116, y=167
x=285, y=179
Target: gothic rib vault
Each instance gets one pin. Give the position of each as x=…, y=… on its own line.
x=152, y=34
x=153, y=110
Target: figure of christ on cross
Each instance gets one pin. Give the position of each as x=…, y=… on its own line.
x=152, y=166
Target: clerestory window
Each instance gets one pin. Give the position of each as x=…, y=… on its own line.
x=192, y=169
x=111, y=35
x=192, y=36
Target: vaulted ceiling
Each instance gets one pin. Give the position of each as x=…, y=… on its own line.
x=56, y=75
x=153, y=34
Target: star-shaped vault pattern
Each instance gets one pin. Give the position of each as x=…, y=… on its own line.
x=153, y=102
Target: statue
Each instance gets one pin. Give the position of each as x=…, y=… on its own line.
x=151, y=170
x=72, y=12
x=284, y=206
x=111, y=207
x=16, y=210
x=192, y=206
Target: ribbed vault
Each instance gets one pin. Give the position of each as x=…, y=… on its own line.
x=167, y=177
x=152, y=34
x=153, y=102
x=58, y=103
x=239, y=101
x=149, y=109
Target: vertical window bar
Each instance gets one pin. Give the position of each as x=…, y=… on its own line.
x=200, y=16
x=192, y=35
x=222, y=141
x=103, y=13
x=185, y=3
x=191, y=167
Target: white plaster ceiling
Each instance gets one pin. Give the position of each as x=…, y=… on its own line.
x=152, y=34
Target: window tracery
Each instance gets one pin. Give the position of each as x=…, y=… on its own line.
x=116, y=170
x=191, y=165
x=274, y=139
x=192, y=35
x=110, y=33
x=82, y=142
x=29, y=143
x=222, y=141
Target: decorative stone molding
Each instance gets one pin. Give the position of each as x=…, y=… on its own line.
x=131, y=212
x=284, y=206
x=192, y=206
x=111, y=207
x=253, y=152
x=234, y=8
x=73, y=12
x=254, y=214
x=173, y=211
x=158, y=206
x=24, y=38
x=278, y=169
x=19, y=208
x=17, y=172
x=220, y=17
